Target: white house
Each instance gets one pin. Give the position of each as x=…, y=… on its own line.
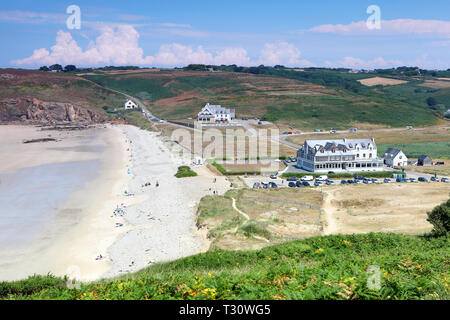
x=395, y=158
x=130, y=105
x=215, y=114
x=339, y=155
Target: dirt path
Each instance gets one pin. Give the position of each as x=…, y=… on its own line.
x=239, y=211
x=330, y=226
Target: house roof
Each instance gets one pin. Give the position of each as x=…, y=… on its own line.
x=216, y=109
x=391, y=153
x=423, y=157
x=340, y=146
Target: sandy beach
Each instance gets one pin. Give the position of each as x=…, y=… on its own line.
x=162, y=223
x=154, y=224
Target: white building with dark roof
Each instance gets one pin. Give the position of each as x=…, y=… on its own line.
x=215, y=114
x=129, y=104
x=395, y=158
x=340, y=155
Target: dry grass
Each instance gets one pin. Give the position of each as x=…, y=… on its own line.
x=435, y=84
x=278, y=215
x=441, y=170
x=380, y=81
x=386, y=136
x=392, y=207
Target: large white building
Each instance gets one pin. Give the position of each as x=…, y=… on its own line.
x=215, y=114
x=341, y=155
x=395, y=158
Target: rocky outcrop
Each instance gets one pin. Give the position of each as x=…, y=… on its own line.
x=38, y=111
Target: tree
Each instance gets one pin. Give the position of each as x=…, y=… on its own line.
x=431, y=101
x=44, y=68
x=439, y=217
x=56, y=67
x=70, y=68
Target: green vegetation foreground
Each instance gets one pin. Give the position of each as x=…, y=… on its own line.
x=326, y=267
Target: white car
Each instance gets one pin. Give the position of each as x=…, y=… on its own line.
x=307, y=178
x=322, y=178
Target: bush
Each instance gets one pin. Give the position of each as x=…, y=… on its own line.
x=185, y=171
x=439, y=217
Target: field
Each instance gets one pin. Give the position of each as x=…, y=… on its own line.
x=440, y=170
x=392, y=207
x=252, y=219
x=331, y=267
x=304, y=103
x=415, y=150
x=380, y=81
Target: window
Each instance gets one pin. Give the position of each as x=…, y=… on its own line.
x=357, y=155
x=364, y=155
x=370, y=155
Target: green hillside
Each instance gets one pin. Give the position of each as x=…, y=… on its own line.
x=308, y=99
x=325, y=267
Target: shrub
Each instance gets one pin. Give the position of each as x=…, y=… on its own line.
x=185, y=171
x=439, y=217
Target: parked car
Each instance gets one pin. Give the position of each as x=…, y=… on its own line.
x=434, y=179
x=307, y=178
x=256, y=185
x=265, y=185
x=332, y=131
x=273, y=184
x=350, y=181
x=358, y=177
x=423, y=179
x=291, y=184
x=293, y=159
x=322, y=178
x=306, y=184
x=318, y=183
x=293, y=178
x=343, y=181
x=330, y=172
x=273, y=176
x=357, y=181
x=412, y=180
x=439, y=163
x=387, y=180
x=446, y=180
x=299, y=184
x=367, y=181
x=329, y=182
x=374, y=180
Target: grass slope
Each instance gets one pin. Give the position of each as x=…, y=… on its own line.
x=58, y=87
x=326, y=267
x=286, y=98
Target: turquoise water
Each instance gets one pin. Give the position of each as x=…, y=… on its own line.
x=29, y=197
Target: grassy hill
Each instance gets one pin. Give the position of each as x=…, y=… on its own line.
x=326, y=267
x=57, y=87
x=307, y=99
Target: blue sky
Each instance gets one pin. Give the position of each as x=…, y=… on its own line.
x=174, y=33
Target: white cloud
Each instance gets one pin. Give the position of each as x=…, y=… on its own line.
x=392, y=27
x=119, y=46
x=357, y=63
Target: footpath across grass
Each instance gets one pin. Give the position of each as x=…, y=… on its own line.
x=323, y=267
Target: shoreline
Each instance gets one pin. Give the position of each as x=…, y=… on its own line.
x=159, y=223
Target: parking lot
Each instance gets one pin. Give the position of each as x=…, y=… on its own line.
x=283, y=183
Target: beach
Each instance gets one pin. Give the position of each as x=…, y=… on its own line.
x=67, y=208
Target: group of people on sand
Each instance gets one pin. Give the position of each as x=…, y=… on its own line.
x=148, y=184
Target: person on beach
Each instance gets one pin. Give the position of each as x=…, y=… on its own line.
x=157, y=184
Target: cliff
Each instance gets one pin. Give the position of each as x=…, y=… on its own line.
x=37, y=111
